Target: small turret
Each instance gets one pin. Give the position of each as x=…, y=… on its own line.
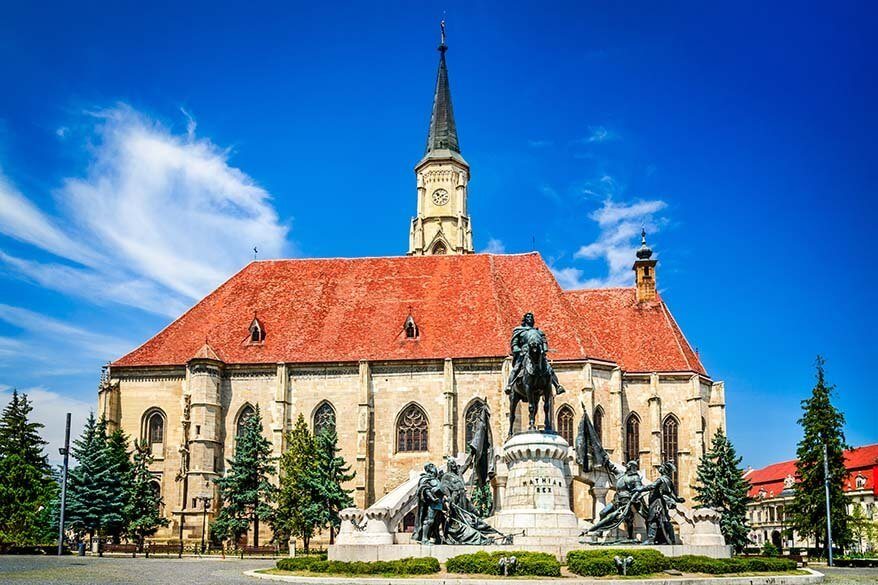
x=644, y=271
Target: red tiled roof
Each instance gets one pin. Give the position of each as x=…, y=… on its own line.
x=327, y=310
x=640, y=337
x=859, y=461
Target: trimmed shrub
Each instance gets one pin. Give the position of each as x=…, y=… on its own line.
x=409, y=566
x=483, y=563
x=600, y=562
x=769, y=550
x=711, y=566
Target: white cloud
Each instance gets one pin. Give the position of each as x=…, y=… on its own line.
x=539, y=143
x=596, y=135
x=617, y=241
x=494, y=246
x=50, y=409
x=157, y=221
x=41, y=331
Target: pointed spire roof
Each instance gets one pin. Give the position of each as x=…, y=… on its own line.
x=442, y=138
x=206, y=352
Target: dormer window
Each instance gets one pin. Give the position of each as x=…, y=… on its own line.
x=411, y=329
x=257, y=331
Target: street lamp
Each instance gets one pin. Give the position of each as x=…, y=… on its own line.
x=205, y=500
x=826, y=491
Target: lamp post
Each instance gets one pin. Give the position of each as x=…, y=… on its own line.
x=65, y=451
x=826, y=493
x=205, y=500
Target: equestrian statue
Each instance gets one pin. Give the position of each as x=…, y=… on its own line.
x=532, y=377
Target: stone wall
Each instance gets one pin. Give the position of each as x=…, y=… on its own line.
x=368, y=399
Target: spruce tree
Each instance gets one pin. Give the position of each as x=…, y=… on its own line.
x=27, y=485
x=245, y=493
x=143, y=509
x=97, y=486
x=300, y=512
x=722, y=487
x=821, y=424
x=332, y=472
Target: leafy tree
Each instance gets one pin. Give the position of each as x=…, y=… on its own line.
x=863, y=529
x=97, y=487
x=769, y=550
x=27, y=485
x=332, y=472
x=143, y=510
x=299, y=512
x=721, y=486
x=245, y=493
x=821, y=424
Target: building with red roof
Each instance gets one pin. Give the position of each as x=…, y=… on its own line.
x=401, y=354
x=772, y=490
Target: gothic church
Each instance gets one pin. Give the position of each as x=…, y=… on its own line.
x=401, y=353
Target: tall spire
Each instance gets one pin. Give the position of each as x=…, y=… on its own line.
x=443, y=132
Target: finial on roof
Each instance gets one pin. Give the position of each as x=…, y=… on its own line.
x=443, y=131
x=645, y=252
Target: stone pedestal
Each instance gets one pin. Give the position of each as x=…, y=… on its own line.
x=537, y=495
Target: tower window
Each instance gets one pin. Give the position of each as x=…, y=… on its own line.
x=646, y=272
x=440, y=249
x=411, y=328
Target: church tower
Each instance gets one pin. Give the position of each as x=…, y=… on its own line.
x=442, y=225
x=644, y=271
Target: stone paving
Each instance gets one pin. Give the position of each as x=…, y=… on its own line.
x=43, y=570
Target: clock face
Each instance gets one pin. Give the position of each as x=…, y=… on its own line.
x=440, y=197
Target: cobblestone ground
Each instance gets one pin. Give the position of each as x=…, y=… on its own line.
x=839, y=576
x=159, y=571
x=99, y=571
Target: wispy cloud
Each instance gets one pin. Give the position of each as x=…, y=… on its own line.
x=157, y=221
x=596, y=135
x=41, y=333
x=539, y=143
x=619, y=226
x=494, y=246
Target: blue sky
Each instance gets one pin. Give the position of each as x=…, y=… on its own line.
x=145, y=150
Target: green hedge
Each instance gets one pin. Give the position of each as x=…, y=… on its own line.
x=484, y=563
x=600, y=562
x=410, y=566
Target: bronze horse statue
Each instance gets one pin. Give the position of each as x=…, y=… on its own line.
x=534, y=381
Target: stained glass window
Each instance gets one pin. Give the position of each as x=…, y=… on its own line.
x=632, y=438
x=565, y=423
x=411, y=429
x=324, y=418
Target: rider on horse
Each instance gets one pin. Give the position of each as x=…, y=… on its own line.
x=519, y=347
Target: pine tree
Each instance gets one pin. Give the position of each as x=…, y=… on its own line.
x=27, y=485
x=300, y=512
x=332, y=472
x=821, y=424
x=245, y=492
x=722, y=487
x=97, y=486
x=143, y=510
x=118, y=480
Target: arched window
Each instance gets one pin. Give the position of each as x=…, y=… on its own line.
x=598, y=422
x=670, y=445
x=440, y=249
x=154, y=431
x=411, y=429
x=565, y=423
x=471, y=419
x=632, y=438
x=243, y=416
x=324, y=417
